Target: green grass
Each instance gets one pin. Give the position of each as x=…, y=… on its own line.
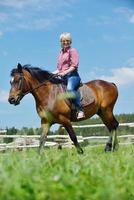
x=65, y=175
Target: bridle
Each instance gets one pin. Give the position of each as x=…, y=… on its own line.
x=21, y=83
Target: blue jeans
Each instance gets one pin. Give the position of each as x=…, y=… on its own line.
x=73, y=81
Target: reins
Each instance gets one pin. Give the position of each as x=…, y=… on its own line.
x=38, y=86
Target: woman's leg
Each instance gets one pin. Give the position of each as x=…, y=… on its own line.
x=72, y=86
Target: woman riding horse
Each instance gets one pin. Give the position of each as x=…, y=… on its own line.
x=67, y=68
x=45, y=90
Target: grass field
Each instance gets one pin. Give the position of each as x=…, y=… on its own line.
x=65, y=175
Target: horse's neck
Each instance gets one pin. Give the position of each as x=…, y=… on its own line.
x=41, y=92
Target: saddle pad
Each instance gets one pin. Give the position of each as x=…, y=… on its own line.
x=87, y=96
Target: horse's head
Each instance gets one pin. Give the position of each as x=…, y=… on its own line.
x=27, y=79
x=18, y=85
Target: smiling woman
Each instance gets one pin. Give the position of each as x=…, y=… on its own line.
x=67, y=68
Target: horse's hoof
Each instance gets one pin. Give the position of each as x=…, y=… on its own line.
x=80, y=151
x=108, y=147
x=59, y=146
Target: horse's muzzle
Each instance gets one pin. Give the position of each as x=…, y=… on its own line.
x=13, y=100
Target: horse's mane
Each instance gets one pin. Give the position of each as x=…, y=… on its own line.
x=38, y=73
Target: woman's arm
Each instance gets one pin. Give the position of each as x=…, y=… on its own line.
x=71, y=69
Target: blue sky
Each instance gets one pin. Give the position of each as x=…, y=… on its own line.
x=102, y=31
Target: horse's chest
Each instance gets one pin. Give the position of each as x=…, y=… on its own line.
x=45, y=114
x=41, y=113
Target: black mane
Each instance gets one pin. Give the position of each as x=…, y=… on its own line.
x=38, y=73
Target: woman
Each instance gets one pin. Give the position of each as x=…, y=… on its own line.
x=67, y=68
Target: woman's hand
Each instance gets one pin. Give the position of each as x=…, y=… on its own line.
x=61, y=74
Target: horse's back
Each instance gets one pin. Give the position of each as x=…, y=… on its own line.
x=105, y=92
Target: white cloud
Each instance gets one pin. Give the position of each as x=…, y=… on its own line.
x=121, y=76
x=3, y=96
x=128, y=13
x=38, y=4
x=33, y=14
x=43, y=23
x=16, y=3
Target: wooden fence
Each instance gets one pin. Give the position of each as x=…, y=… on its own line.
x=32, y=141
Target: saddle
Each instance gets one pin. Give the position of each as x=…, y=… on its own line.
x=60, y=91
x=86, y=95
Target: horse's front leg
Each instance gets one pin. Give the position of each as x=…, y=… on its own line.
x=45, y=127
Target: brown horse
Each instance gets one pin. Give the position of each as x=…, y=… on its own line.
x=44, y=87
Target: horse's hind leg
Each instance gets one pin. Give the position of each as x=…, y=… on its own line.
x=73, y=137
x=112, y=124
x=112, y=143
x=115, y=144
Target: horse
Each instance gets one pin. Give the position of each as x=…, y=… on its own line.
x=51, y=109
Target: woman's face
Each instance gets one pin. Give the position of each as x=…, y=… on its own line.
x=65, y=43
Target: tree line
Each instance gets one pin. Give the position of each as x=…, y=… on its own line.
x=122, y=118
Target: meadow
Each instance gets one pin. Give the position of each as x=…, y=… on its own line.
x=65, y=175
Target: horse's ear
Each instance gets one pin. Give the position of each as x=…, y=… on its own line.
x=19, y=66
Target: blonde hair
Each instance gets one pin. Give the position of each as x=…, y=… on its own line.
x=66, y=36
